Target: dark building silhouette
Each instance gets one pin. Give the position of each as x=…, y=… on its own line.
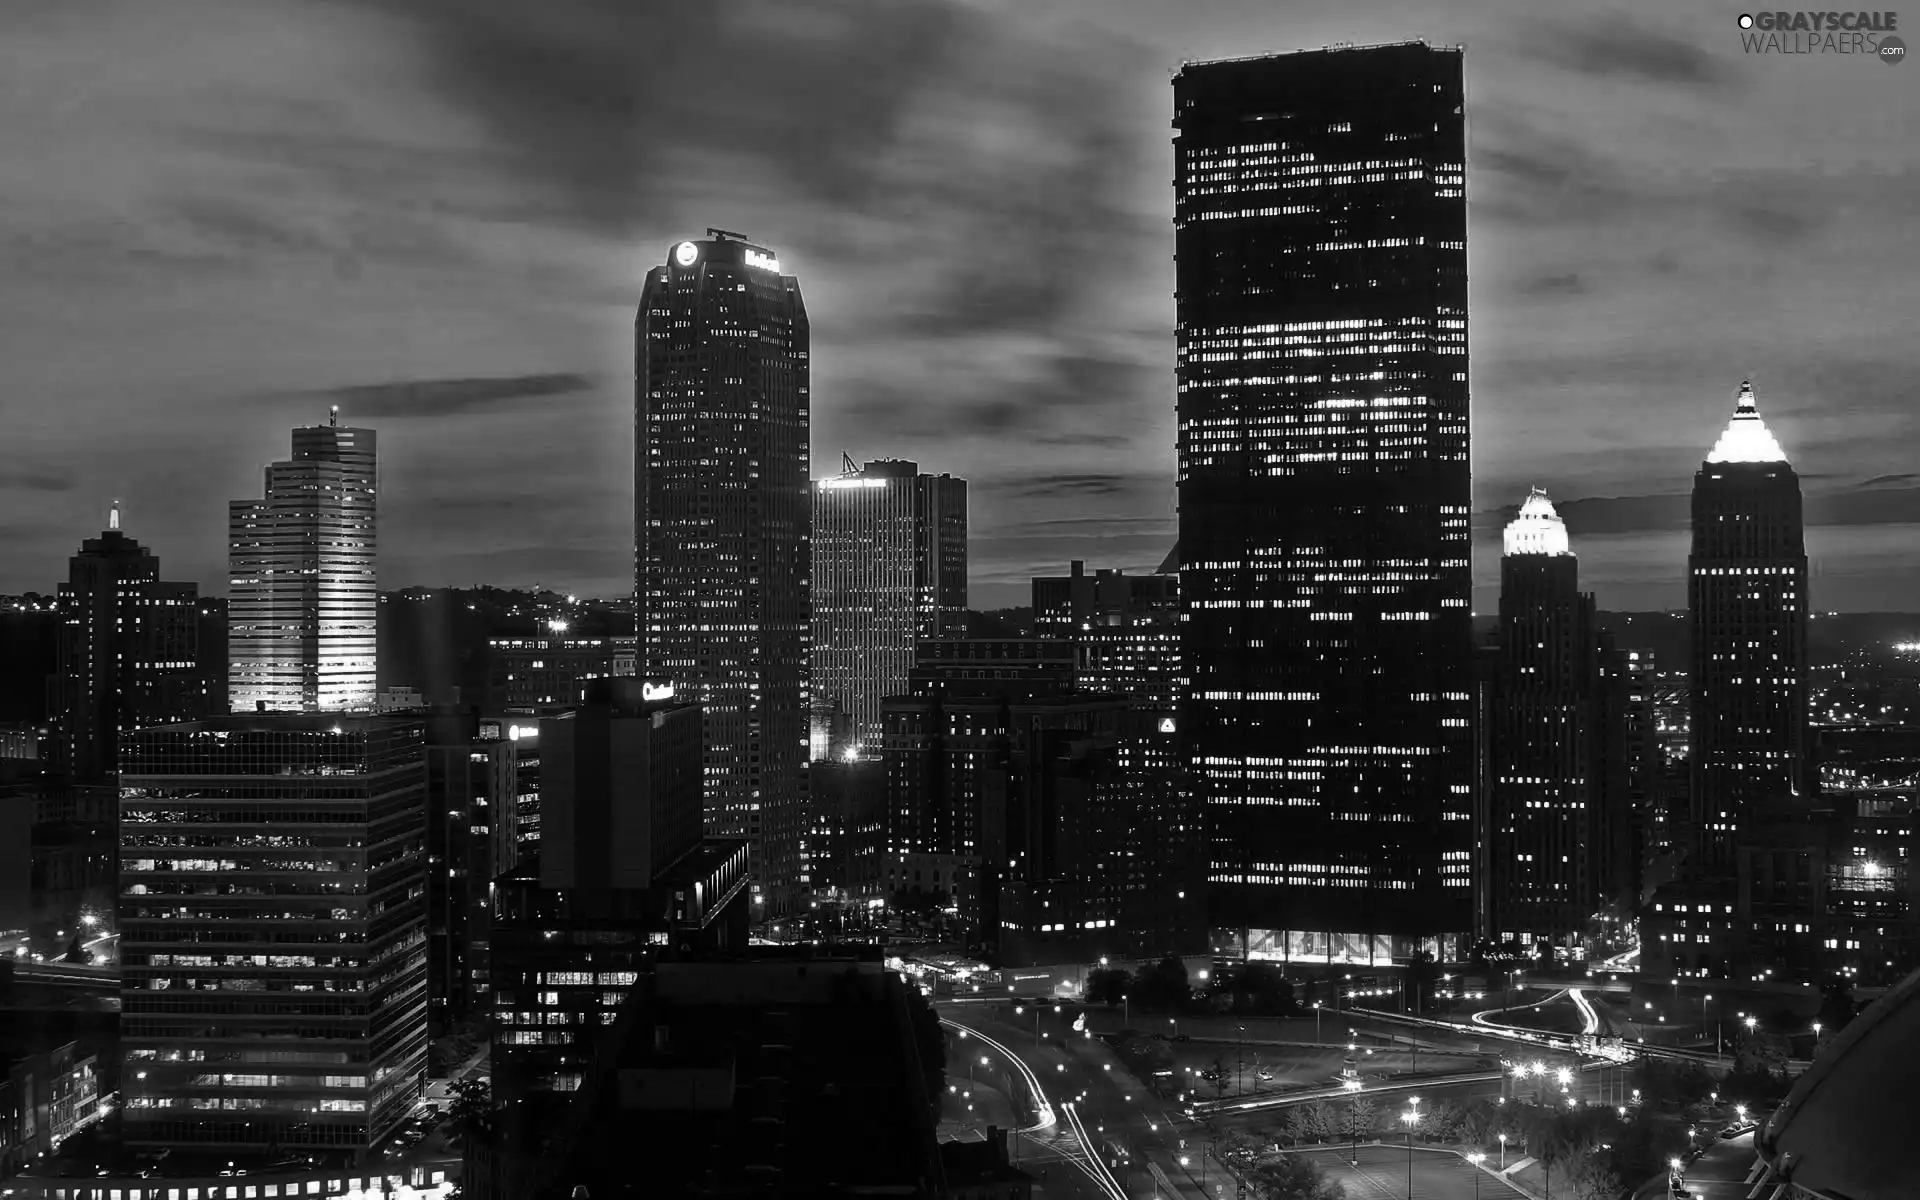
x=623, y=872
x=889, y=571
x=472, y=786
x=722, y=516
x=766, y=1075
x=273, y=923
x=1320, y=217
x=536, y=674
x=29, y=650
x=1747, y=591
x=1558, y=841
x=128, y=653
x=1126, y=626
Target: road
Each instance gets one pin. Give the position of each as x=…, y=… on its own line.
x=1721, y=1173
x=1094, y=1110
x=1437, y=1175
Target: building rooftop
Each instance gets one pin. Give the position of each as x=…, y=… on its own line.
x=1746, y=439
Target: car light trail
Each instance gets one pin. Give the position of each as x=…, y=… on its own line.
x=1042, y=1111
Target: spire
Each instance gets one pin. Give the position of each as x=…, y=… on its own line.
x=1538, y=529
x=1746, y=439
x=113, y=517
x=333, y=416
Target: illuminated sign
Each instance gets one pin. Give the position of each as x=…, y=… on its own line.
x=685, y=253
x=656, y=691
x=766, y=262
x=837, y=484
x=516, y=733
x=1166, y=724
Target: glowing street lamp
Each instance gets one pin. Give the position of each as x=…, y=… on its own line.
x=1476, y=1158
x=1503, y=1153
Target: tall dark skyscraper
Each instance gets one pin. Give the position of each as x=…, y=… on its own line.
x=1747, y=591
x=889, y=571
x=722, y=515
x=304, y=605
x=126, y=654
x=1321, y=223
x=1557, y=732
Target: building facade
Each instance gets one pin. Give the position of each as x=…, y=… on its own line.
x=722, y=516
x=531, y=674
x=889, y=572
x=1126, y=626
x=1320, y=218
x=472, y=828
x=273, y=931
x=1747, y=591
x=303, y=606
x=1557, y=743
x=127, y=651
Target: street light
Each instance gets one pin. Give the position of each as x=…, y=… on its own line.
x=1503, y=1154
x=1316, y=1023
x=1412, y=1116
x=1476, y=1158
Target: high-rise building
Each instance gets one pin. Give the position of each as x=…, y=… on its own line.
x=273, y=926
x=722, y=511
x=1320, y=217
x=531, y=674
x=1747, y=591
x=472, y=827
x=126, y=654
x=623, y=872
x=303, y=609
x=889, y=572
x=1126, y=626
x=1553, y=860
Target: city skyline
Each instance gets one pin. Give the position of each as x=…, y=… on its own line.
x=482, y=333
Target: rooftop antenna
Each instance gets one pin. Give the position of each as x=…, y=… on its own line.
x=113, y=516
x=847, y=465
x=333, y=416
x=726, y=234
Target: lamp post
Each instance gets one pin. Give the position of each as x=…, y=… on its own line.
x=1412, y=1116
x=1316, y=1022
x=1240, y=1064
x=1476, y=1158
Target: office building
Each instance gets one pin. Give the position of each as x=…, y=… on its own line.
x=722, y=510
x=889, y=572
x=1127, y=628
x=127, y=653
x=1320, y=229
x=537, y=674
x=769, y=1074
x=303, y=609
x=472, y=789
x=273, y=953
x=1557, y=844
x=1747, y=591
x=623, y=872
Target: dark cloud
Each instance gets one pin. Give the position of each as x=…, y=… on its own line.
x=446, y=397
x=1569, y=283
x=1080, y=485
x=1611, y=46
x=1883, y=480
x=37, y=479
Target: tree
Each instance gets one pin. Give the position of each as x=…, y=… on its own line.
x=1293, y=1127
x=1441, y=1122
x=1217, y=1075
x=76, y=953
x=1164, y=984
x=1360, y=1118
x=1290, y=1177
x=1594, y=1180
x=1320, y=1122
x=1421, y=972
x=472, y=1108
x=1267, y=990
x=1106, y=986
x=1836, y=1007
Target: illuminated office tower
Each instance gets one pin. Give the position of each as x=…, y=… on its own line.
x=125, y=656
x=273, y=950
x=1747, y=592
x=303, y=606
x=889, y=572
x=1321, y=223
x=722, y=510
x=1558, y=819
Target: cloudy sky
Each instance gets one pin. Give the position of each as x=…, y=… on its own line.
x=220, y=216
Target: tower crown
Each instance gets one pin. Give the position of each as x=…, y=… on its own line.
x=1538, y=529
x=1746, y=439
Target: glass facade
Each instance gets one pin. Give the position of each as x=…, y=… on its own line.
x=1320, y=215
x=303, y=603
x=722, y=521
x=273, y=931
x=889, y=571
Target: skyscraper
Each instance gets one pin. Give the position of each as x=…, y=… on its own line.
x=889, y=572
x=304, y=607
x=1320, y=216
x=721, y=526
x=126, y=653
x=1556, y=812
x=273, y=931
x=1747, y=592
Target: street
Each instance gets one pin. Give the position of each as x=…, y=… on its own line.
x=1721, y=1173
x=1437, y=1175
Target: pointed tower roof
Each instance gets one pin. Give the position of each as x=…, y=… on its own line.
x=1746, y=439
x=1538, y=529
